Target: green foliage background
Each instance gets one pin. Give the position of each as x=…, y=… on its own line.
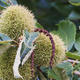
x=50, y=12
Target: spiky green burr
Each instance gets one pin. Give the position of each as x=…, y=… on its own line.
x=15, y=19
x=43, y=50
x=6, y=63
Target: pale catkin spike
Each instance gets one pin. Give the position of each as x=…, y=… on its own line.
x=16, y=18
x=17, y=63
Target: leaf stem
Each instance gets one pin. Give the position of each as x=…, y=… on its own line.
x=72, y=61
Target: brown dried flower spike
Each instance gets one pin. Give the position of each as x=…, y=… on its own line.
x=53, y=48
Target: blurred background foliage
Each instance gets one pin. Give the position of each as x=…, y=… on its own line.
x=50, y=12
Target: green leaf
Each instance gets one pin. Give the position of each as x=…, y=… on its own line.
x=4, y=39
x=57, y=74
x=75, y=2
x=27, y=44
x=39, y=25
x=40, y=75
x=67, y=31
x=44, y=71
x=67, y=66
x=73, y=55
x=3, y=4
x=32, y=37
x=77, y=42
x=4, y=43
x=77, y=67
x=53, y=74
x=74, y=15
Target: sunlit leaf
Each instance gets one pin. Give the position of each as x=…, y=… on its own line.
x=75, y=2
x=73, y=55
